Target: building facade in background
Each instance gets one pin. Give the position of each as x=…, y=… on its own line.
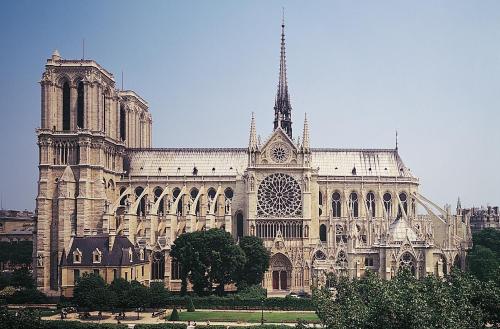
x=16, y=225
x=108, y=202
x=483, y=217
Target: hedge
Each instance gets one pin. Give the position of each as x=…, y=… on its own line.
x=81, y=325
x=236, y=303
x=183, y=326
x=161, y=326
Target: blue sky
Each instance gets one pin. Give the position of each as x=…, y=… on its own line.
x=360, y=69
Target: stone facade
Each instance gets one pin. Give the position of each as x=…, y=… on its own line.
x=317, y=210
x=483, y=217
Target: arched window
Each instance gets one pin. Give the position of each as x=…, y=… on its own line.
x=407, y=261
x=124, y=198
x=80, y=106
x=404, y=202
x=320, y=202
x=370, y=204
x=239, y=225
x=141, y=208
x=228, y=193
x=161, y=207
x=388, y=203
x=341, y=260
x=66, y=107
x=104, y=112
x=123, y=123
x=176, y=192
x=353, y=204
x=336, y=205
x=322, y=233
x=157, y=266
x=176, y=270
x=194, y=193
x=211, y=198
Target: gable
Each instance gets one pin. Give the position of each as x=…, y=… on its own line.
x=279, y=149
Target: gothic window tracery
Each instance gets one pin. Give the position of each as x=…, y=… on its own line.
x=279, y=195
x=336, y=205
x=353, y=204
x=341, y=259
x=404, y=201
x=388, y=203
x=280, y=152
x=370, y=204
x=407, y=261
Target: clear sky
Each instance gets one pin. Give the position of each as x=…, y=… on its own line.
x=360, y=69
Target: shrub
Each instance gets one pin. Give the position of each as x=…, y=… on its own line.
x=174, y=316
x=80, y=325
x=161, y=326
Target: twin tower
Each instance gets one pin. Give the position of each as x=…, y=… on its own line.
x=86, y=126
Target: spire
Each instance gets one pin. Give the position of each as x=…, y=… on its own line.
x=252, y=143
x=282, y=107
x=305, y=137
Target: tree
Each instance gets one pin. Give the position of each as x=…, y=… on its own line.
x=207, y=258
x=138, y=296
x=224, y=258
x=483, y=263
x=174, y=316
x=256, y=264
x=158, y=294
x=91, y=292
x=22, y=278
x=489, y=238
x=119, y=289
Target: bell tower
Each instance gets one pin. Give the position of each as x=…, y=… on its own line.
x=86, y=126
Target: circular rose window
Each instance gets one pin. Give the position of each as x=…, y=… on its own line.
x=280, y=152
x=279, y=195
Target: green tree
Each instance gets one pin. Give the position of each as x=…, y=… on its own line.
x=489, y=238
x=483, y=263
x=174, y=316
x=22, y=278
x=138, y=296
x=91, y=292
x=207, y=258
x=120, y=288
x=256, y=264
x=158, y=294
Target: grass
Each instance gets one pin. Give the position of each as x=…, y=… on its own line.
x=269, y=316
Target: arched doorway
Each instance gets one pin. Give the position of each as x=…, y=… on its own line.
x=281, y=269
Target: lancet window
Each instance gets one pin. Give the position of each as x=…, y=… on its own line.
x=336, y=205
x=370, y=204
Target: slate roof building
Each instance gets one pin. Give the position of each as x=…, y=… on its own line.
x=103, y=189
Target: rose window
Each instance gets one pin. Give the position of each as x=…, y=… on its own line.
x=280, y=152
x=279, y=195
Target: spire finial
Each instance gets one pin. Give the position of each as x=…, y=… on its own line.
x=305, y=137
x=252, y=143
x=396, y=139
x=282, y=107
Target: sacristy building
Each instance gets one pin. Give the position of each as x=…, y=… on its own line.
x=110, y=203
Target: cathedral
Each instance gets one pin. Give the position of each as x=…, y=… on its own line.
x=111, y=204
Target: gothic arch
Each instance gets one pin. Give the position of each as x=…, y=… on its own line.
x=281, y=271
x=408, y=261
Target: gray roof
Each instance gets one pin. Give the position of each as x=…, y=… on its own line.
x=234, y=161
x=399, y=230
x=118, y=256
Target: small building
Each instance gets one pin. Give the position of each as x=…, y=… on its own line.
x=16, y=225
x=483, y=217
x=108, y=256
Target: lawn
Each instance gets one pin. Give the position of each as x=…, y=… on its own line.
x=226, y=316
